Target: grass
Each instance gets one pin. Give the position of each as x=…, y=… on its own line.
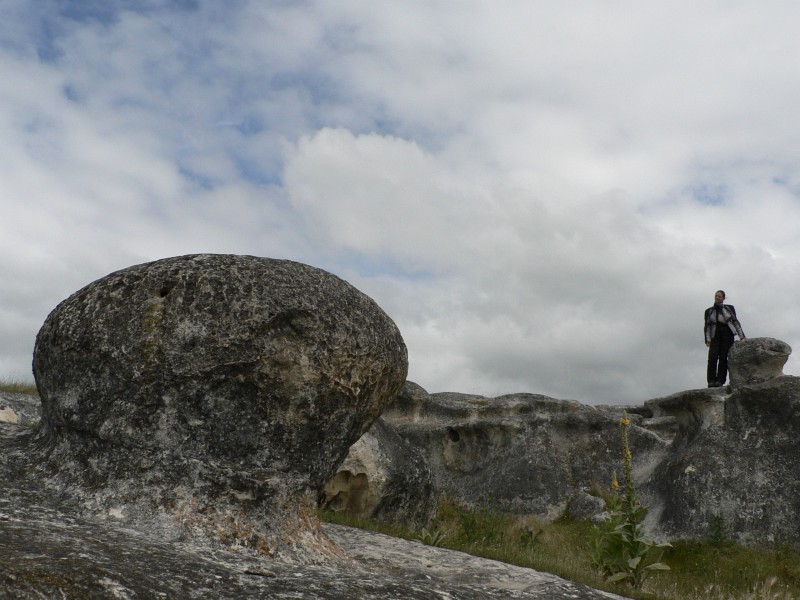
x=17, y=386
x=700, y=570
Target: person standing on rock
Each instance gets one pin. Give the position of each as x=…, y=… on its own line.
x=721, y=324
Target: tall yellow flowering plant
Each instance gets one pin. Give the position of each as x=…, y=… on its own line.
x=620, y=552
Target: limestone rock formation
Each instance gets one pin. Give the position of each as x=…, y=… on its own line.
x=754, y=360
x=194, y=408
x=733, y=463
x=383, y=477
x=701, y=457
x=525, y=452
x=212, y=395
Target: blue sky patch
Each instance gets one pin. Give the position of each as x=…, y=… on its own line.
x=710, y=194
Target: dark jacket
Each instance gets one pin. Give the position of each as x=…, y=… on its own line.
x=731, y=321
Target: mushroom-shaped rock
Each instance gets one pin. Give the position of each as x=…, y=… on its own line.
x=755, y=360
x=215, y=392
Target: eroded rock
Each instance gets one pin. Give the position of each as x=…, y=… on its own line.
x=689, y=411
x=738, y=470
x=383, y=477
x=700, y=457
x=213, y=395
x=48, y=551
x=754, y=360
x=526, y=453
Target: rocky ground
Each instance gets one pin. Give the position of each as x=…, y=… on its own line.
x=47, y=554
x=46, y=551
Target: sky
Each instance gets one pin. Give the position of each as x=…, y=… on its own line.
x=543, y=196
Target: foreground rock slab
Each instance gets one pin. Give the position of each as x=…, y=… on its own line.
x=47, y=553
x=48, y=550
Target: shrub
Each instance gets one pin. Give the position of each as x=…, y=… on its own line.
x=431, y=537
x=619, y=550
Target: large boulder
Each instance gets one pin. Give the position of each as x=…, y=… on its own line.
x=383, y=477
x=754, y=360
x=213, y=394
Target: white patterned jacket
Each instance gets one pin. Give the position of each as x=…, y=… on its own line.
x=731, y=321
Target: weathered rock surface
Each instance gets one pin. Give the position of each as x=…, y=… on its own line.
x=734, y=462
x=20, y=409
x=47, y=550
x=701, y=457
x=383, y=477
x=754, y=360
x=212, y=395
x=526, y=452
x=583, y=505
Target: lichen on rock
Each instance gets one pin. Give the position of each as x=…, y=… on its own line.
x=212, y=395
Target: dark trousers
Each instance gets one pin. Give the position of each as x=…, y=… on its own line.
x=718, y=356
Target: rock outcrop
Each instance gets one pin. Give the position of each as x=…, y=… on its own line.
x=702, y=459
x=195, y=409
x=383, y=478
x=192, y=410
x=754, y=360
x=734, y=465
x=524, y=452
x=212, y=396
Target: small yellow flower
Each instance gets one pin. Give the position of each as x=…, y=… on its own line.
x=624, y=421
x=614, y=483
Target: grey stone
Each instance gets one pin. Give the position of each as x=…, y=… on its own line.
x=21, y=409
x=384, y=478
x=754, y=360
x=194, y=408
x=212, y=395
x=584, y=506
x=700, y=457
x=736, y=465
x=526, y=453
x=48, y=550
x=690, y=410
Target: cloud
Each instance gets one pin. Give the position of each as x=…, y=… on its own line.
x=543, y=196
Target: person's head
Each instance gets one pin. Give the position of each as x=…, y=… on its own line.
x=719, y=297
